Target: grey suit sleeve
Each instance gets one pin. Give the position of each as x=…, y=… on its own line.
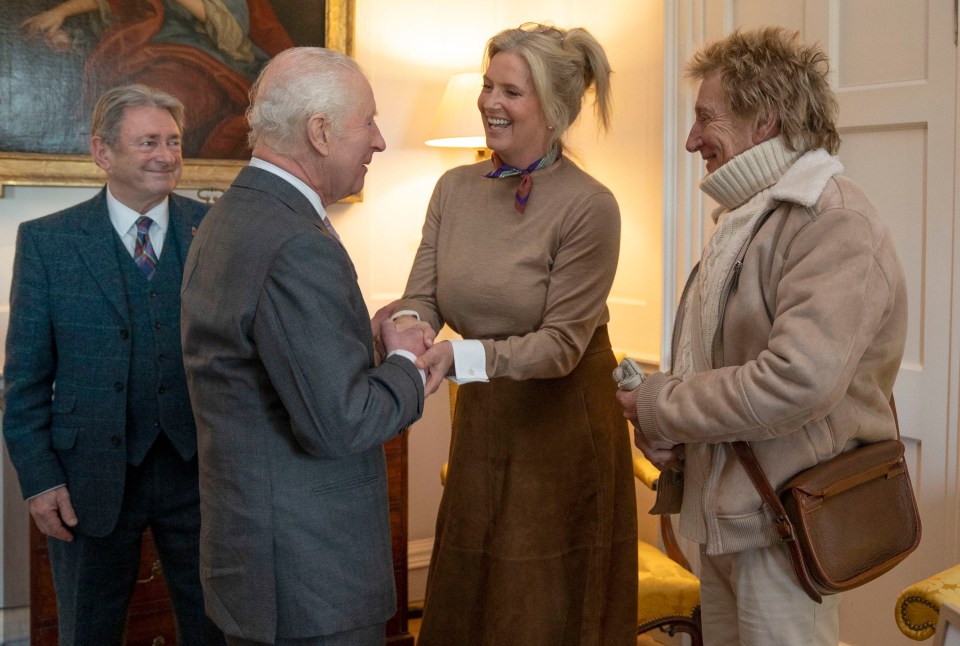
x=29, y=372
x=313, y=335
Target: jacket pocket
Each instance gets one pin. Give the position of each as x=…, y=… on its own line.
x=63, y=437
x=348, y=483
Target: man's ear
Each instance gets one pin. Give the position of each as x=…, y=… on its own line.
x=101, y=153
x=767, y=127
x=319, y=133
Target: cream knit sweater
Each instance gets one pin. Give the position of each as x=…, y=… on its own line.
x=740, y=187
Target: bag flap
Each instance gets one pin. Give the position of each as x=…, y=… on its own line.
x=849, y=469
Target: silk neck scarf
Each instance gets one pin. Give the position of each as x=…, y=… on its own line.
x=526, y=181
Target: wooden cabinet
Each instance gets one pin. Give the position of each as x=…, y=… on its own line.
x=396, y=449
x=151, y=620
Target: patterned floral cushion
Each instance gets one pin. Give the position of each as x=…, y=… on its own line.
x=919, y=605
x=666, y=589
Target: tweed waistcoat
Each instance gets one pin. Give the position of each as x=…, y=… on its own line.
x=157, y=397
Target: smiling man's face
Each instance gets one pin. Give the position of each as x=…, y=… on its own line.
x=717, y=133
x=144, y=164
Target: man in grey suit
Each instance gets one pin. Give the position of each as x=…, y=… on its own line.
x=98, y=421
x=291, y=408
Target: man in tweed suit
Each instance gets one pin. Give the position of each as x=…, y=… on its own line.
x=98, y=421
x=291, y=409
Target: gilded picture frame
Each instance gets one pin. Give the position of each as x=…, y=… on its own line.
x=18, y=168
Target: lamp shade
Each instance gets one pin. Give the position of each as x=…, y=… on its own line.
x=458, y=123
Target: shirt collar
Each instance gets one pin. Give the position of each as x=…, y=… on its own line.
x=297, y=183
x=123, y=218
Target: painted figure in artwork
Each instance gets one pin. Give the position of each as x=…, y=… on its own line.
x=204, y=52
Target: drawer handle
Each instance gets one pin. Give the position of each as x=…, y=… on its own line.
x=158, y=641
x=155, y=571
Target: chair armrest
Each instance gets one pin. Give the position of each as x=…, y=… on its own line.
x=918, y=607
x=645, y=472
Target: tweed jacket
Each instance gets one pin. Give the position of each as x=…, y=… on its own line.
x=68, y=358
x=291, y=416
x=802, y=366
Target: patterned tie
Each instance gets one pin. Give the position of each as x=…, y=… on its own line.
x=333, y=232
x=143, y=253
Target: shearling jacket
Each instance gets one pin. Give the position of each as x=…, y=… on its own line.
x=810, y=340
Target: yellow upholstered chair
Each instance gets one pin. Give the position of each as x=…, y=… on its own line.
x=918, y=607
x=669, y=593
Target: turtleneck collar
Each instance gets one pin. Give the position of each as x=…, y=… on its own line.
x=749, y=173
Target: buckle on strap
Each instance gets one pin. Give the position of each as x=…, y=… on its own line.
x=785, y=529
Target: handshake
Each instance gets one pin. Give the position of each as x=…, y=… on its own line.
x=406, y=332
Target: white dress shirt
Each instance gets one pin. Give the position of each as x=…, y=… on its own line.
x=124, y=221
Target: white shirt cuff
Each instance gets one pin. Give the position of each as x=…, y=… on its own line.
x=47, y=491
x=406, y=354
x=469, y=361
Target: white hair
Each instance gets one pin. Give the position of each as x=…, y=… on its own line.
x=296, y=84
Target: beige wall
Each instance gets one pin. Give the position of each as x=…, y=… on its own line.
x=408, y=49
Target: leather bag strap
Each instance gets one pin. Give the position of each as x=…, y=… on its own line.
x=782, y=524
x=784, y=527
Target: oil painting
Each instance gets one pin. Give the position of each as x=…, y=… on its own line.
x=58, y=56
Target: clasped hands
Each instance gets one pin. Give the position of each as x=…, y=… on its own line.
x=661, y=457
x=414, y=336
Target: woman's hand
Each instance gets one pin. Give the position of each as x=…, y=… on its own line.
x=406, y=322
x=438, y=363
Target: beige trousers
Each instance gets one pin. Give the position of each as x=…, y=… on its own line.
x=752, y=598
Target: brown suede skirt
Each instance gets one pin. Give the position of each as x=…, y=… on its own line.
x=537, y=529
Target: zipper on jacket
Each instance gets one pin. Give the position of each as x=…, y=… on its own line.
x=715, y=351
x=737, y=268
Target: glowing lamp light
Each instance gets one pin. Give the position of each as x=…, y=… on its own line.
x=458, y=123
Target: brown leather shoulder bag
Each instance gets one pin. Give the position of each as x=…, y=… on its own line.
x=845, y=521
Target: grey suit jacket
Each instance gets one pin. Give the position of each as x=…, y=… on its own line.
x=291, y=415
x=68, y=357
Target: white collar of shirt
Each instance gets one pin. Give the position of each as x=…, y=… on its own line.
x=301, y=186
x=297, y=183
x=124, y=220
